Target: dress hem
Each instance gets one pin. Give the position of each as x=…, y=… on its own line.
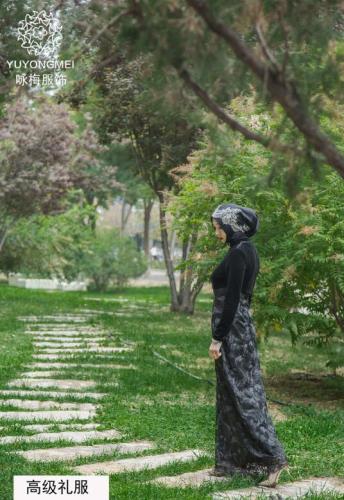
x=252, y=468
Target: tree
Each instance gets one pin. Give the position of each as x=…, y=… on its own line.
x=41, y=158
x=300, y=289
x=291, y=53
x=160, y=136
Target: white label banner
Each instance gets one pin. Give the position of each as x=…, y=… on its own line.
x=61, y=487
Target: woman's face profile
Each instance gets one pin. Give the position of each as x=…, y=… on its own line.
x=219, y=232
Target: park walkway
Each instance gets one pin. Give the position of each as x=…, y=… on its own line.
x=54, y=406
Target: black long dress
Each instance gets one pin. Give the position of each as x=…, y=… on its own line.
x=246, y=440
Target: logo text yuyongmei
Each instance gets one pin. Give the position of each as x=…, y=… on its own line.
x=40, y=34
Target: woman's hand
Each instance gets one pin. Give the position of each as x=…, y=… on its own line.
x=214, y=349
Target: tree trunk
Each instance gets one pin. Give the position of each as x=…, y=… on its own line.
x=125, y=214
x=3, y=236
x=184, y=300
x=148, y=205
x=187, y=292
x=167, y=254
x=173, y=243
x=4, y=230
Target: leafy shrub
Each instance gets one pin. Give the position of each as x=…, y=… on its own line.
x=49, y=246
x=111, y=260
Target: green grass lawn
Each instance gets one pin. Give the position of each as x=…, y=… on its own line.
x=157, y=402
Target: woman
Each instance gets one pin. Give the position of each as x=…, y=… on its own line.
x=246, y=440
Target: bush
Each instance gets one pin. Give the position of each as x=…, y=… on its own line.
x=44, y=246
x=111, y=260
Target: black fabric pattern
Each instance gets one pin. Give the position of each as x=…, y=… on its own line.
x=236, y=273
x=246, y=441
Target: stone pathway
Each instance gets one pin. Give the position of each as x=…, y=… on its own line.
x=76, y=365
x=73, y=385
x=46, y=405
x=53, y=394
x=64, y=337
x=73, y=436
x=59, y=416
x=22, y=393
x=43, y=388
x=69, y=355
x=45, y=341
x=194, y=479
x=73, y=452
x=87, y=350
x=140, y=463
x=296, y=489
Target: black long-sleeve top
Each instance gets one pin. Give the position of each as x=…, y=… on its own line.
x=237, y=273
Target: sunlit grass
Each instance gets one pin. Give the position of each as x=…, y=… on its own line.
x=159, y=403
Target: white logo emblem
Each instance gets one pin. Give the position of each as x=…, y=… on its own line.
x=40, y=33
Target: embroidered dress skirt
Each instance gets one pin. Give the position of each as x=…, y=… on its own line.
x=246, y=440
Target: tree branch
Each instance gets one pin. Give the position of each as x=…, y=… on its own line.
x=113, y=21
x=226, y=118
x=268, y=54
x=282, y=90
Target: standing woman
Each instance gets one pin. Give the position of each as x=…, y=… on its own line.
x=246, y=440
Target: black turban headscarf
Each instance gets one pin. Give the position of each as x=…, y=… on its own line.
x=236, y=220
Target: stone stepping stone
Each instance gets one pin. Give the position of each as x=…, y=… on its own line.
x=67, y=341
x=189, y=479
x=68, y=355
x=296, y=489
x=59, y=416
x=73, y=436
x=71, y=337
x=61, y=329
x=61, y=322
x=61, y=345
x=139, y=463
x=62, y=384
x=73, y=452
x=92, y=349
x=53, y=319
x=53, y=427
x=40, y=374
x=60, y=427
x=31, y=404
x=114, y=299
x=53, y=394
x=58, y=343
x=66, y=336
x=79, y=365
x=58, y=327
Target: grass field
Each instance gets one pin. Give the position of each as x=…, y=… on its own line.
x=157, y=402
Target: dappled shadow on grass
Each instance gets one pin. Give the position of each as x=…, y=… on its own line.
x=322, y=390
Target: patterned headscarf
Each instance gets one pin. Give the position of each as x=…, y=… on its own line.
x=234, y=218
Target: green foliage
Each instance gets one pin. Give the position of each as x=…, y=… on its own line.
x=66, y=247
x=300, y=241
x=298, y=45
x=157, y=129
x=112, y=259
x=49, y=246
